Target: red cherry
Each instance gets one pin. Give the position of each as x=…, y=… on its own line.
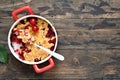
x=33, y=21
x=27, y=27
x=35, y=28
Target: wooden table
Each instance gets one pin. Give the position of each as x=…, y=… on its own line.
x=89, y=38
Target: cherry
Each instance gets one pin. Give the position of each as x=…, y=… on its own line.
x=35, y=28
x=33, y=21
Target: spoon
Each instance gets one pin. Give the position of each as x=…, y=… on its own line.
x=56, y=55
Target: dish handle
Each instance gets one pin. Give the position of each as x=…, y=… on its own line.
x=22, y=9
x=40, y=70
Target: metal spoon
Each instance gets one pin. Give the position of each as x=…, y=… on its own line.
x=56, y=55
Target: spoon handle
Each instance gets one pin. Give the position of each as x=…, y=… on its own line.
x=56, y=55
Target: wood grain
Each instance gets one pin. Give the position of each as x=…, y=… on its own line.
x=89, y=38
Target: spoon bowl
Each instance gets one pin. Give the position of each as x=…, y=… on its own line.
x=54, y=54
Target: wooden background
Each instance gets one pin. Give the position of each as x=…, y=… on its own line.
x=89, y=38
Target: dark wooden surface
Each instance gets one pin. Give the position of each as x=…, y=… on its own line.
x=89, y=38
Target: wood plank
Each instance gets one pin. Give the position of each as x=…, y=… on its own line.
x=84, y=64
x=80, y=9
x=89, y=38
x=70, y=9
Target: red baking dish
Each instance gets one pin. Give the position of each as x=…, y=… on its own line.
x=17, y=20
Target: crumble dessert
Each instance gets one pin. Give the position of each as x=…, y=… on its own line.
x=32, y=30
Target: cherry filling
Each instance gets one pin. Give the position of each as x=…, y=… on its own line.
x=22, y=21
x=52, y=48
x=21, y=55
x=26, y=27
x=16, y=32
x=52, y=41
x=50, y=32
x=36, y=60
x=27, y=50
x=23, y=48
x=15, y=39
